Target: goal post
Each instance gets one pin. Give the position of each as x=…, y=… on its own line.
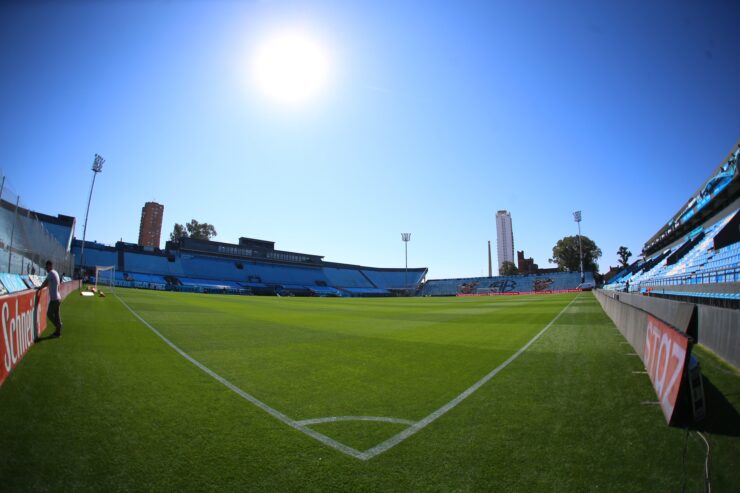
x=105, y=275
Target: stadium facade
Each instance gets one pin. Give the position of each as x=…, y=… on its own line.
x=249, y=266
x=537, y=283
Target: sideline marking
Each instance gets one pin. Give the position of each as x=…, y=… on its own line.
x=414, y=427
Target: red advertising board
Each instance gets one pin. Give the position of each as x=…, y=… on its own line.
x=22, y=319
x=515, y=293
x=666, y=350
x=42, y=304
x=17, y=322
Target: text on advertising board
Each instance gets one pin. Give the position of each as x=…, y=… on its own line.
x=17, y=321
x=665, y=358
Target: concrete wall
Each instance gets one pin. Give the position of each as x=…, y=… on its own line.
x=716, y=328
x=719, y=330
x=630, y=321
x=679, y=314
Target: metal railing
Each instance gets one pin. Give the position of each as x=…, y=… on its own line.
x=25, y=243
x=711, y=276
x=727, y=274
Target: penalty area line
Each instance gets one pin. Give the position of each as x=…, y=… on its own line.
x=248, y=397
x=336, y=419
x=424, y=422
x=413, y=428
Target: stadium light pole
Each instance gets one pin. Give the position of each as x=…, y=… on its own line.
x=97, y=167
x=577, y=218
x=406, y=237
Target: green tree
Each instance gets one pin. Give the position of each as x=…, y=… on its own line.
x=566, y=254
x=508, y=269
x=178, y=232
x=624, y=255
x=200, y=231
x=193, y=229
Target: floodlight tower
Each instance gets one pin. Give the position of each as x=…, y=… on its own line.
x=577, y=218
x=97, y=167
x=406, y=237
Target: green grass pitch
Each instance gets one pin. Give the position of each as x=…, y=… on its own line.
x=111, y=406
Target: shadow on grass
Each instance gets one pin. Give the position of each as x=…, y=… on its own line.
x=722, y=418
x=46, y=338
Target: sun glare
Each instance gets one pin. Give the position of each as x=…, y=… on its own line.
x=290, y=67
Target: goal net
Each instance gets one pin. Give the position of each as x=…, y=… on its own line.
x=105, y=276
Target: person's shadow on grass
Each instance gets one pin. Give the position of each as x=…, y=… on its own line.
x=46, y=338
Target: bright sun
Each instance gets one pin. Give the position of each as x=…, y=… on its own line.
x=290, y=67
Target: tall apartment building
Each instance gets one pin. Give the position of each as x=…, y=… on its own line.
x=504, y=238
x=151, y=224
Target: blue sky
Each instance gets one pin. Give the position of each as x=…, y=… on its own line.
x=436, y=116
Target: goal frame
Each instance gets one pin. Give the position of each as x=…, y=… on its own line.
x=106, y=268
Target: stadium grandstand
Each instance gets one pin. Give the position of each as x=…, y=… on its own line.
x=533, y=283
x=27, y=240
x=696, y=255
x=249, y=267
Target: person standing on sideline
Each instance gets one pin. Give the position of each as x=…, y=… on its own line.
x=52, y=280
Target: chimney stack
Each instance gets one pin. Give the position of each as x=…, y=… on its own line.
x=490, y=271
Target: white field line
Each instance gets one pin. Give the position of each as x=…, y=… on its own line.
x=302, y=425
x=248, y=397
x=334, y=419
x=424, y=422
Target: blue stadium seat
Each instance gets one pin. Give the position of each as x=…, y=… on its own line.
x=701, y=264
x=397, y=279
x=13, y=282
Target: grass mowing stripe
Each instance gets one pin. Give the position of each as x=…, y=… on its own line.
x=378, y=449
x=271, y=411
x=421, y=424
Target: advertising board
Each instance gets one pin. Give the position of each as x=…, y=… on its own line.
x=22, y=320
x=665, y=355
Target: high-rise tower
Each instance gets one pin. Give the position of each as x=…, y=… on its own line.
x=504, y=238
x=151, y=224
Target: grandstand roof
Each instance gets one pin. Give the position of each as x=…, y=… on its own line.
x=677, y=226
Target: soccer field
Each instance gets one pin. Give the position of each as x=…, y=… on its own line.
x=163, y=391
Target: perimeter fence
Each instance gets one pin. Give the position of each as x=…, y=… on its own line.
x=25, y=243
